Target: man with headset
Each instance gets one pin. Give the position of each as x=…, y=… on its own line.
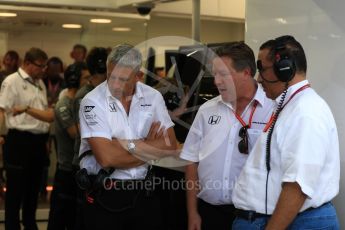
x=123, y=123
x=63, y=197
x=96, y=64
x=293, y=172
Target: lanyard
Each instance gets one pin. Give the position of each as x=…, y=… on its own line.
x=27, y=80
x=239, y=118
x=269, y=123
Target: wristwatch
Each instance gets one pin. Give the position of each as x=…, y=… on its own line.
x=131, y=146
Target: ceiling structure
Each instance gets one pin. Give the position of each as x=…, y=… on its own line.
x=49, y=15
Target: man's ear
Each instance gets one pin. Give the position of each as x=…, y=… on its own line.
x=247, y=72
x=140, y=75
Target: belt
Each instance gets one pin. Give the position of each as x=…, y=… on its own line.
x=249, y=215
x=252, y=215
x=230, y=208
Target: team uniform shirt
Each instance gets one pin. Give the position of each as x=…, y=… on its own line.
x=304, y=149
x=102, y=115
x=18, y=89
x=213, y=140
x=65, y=144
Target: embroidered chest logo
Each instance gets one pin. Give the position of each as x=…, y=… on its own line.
x=112, y=107
x=214, y=120
x=88, y=108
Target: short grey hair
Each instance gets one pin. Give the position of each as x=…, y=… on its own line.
x=125, y=55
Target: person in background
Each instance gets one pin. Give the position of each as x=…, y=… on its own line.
x=63, y=199
x=78, y=53
x=224, y=131
x=96, y=63
x=11, y=64
x=25, y=146
x=54, y=83
x=293, y=172
x=53, y=79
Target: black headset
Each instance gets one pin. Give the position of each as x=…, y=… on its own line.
x=97, y=60
x=73, y=74
x=284, y=65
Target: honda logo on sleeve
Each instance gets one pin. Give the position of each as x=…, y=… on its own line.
x=214, y=120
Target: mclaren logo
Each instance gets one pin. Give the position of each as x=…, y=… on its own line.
x=88, y=108
x=214, y=120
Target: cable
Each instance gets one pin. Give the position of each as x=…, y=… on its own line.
x=268, y=141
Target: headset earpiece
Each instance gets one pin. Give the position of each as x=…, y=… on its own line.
x=97, y=61
x=284, y=66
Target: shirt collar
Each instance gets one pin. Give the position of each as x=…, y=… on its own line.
x=137, y=94
x=23, y=74
x=291, y=90
x=259, y=97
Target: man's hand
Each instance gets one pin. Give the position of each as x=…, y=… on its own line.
x=156, y=131
x=2, y=140
x=159, y=142
x=290, y=201
x=194, y=221
x=18, y=109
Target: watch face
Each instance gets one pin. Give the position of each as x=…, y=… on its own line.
x=131, y=146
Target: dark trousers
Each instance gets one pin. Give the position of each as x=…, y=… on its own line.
x=139, y=211
x=215, y=216
x=24, y=157
x=63, y=201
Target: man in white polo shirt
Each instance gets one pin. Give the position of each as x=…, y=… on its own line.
x=25, y=146
x=293, y=171
x=123, y=122
x=223, y=132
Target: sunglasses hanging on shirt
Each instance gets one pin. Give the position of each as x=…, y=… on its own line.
x=243, y=132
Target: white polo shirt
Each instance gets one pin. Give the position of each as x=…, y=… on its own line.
x=213, y=140
x=102, y=115
x=304, y=149
x=18, y=89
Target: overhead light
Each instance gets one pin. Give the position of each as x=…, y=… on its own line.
x=335, y=35
x=312, y=37
x=121, y=29
x=100, y=20
x=281, y=20
x=71, y=26
x=7, y=14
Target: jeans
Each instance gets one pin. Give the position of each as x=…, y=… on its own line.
x=324, y=218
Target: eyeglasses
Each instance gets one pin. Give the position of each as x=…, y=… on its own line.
x=243, y=144
x=42, y=66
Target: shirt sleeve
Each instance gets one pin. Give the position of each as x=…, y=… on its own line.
x=64, y=115
x=7, y=94
x=161, y=112
x=303, y=152
x=191, y=147
x=93, y=120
